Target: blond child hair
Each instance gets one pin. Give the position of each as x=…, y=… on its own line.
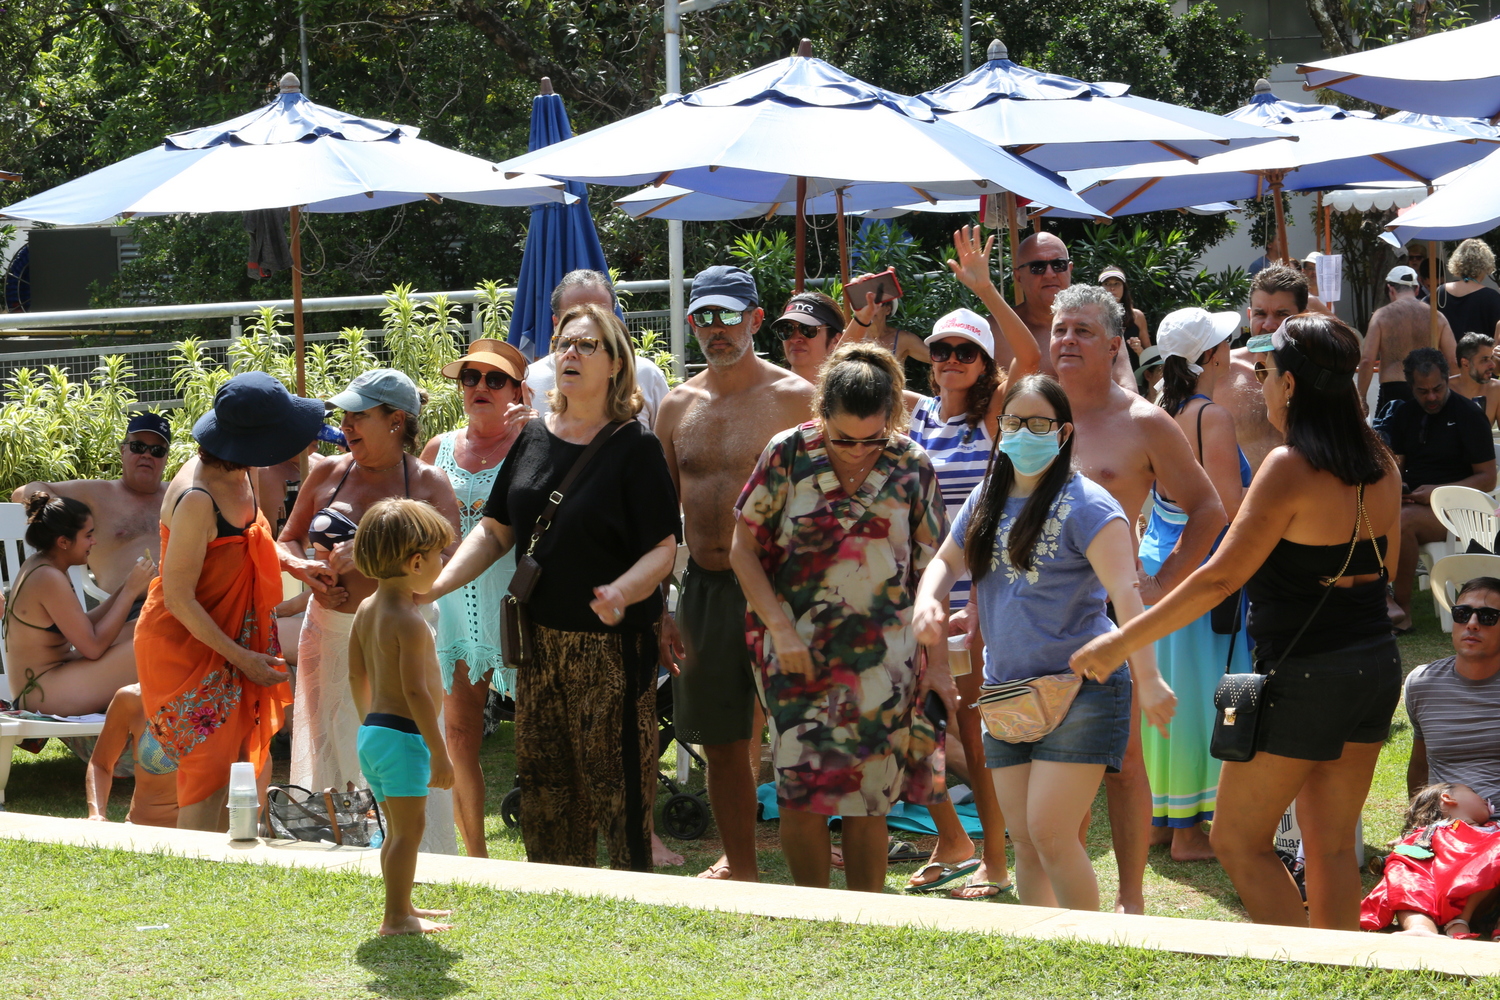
x=392, y=531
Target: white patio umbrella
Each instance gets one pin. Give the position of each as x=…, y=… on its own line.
x=1337, y=147
x=293, y=154
x=1451, y=73
x=791, y=130
x=1469, y=206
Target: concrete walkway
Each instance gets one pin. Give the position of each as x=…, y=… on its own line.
x=1196, y=937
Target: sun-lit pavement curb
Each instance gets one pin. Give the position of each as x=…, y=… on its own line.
x=1177, y=934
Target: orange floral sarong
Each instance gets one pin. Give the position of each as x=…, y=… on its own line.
x=204, y=712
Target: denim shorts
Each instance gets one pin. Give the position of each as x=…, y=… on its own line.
x=1094, y=731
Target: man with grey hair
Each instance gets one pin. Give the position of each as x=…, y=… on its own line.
x=713, y=428
x=576, y=288
x=1127, y=445
x=1043, y=269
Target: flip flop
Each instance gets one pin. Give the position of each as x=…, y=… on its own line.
x=949, y=873
x=901, y=850
x=972, y=883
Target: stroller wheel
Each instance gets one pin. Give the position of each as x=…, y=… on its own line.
x=510, y=808
x=684, y=817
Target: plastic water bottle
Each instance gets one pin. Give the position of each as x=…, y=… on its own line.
x=244, y=802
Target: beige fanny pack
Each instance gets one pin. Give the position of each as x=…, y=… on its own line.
x=1025, y=711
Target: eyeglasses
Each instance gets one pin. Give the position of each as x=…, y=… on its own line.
x=469, y=378
x=1488, y=617
x=787, y=329
x=585, y=346
x=1262, y=372
x=1010, y=423
x=859, y=442
x=1058, y=265
x=967, y=353
x=142, y=448
x=727, y=317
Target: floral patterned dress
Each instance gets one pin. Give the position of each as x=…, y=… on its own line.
x=849, y=740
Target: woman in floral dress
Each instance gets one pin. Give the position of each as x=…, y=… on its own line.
x=837, y=522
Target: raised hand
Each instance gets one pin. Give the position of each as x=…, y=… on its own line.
x=972, y=265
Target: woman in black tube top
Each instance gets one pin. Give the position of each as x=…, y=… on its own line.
x=1326, y=506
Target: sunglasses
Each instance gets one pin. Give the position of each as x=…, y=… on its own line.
x=469, y=378
x=1488, y=617
x=879, y=442
x=142, y=448
x=1262, y=372
x=727, y=317
x=585, y=346
x=1010, y=423
x=967, y=353
x=787, y=329
x=1058, y=265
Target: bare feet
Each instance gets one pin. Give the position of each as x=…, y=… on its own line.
x=1191, y=844
x=413, y=925
x=1161, y=836
x=1135, y=906
x=1417, y=930
x=663, y=856
x=836, y=857
x=434, y=914
x=718, y=870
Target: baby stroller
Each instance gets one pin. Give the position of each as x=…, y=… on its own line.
x=684, y=815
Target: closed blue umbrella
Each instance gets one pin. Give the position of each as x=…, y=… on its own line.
x=561, y=238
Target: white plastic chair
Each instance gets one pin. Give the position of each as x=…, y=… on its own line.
x=1468, y=514
x=13, y=552
x=1453, y=572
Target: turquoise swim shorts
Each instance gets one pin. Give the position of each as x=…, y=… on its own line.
x=395, y=759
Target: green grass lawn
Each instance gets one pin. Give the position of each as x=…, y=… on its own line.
x=70, y=918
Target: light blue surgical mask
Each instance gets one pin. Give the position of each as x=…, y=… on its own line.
x=1030, y=453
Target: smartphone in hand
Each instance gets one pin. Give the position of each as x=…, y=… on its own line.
x=883, y=286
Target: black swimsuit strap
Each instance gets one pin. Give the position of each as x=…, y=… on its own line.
x=218, y=514
x=405, y=475
x=10, y=614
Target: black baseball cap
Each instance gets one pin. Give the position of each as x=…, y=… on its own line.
x=725, y=287
x=810, y=310
x=153, y=423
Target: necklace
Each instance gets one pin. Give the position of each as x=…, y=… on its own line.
x=854, y=478
x=486, y=460
x=375, y=472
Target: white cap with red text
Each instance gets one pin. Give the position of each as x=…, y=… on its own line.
x=966, y=324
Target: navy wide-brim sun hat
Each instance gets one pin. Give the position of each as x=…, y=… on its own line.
x=255, y=421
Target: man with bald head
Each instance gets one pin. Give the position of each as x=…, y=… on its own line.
x=1043, y=269
x=1127, y=445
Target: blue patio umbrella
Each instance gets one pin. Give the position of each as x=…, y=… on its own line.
x=1451, y=73
x=561, y=238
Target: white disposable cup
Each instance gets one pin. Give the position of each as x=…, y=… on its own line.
x=244, y=821
x=241, y=777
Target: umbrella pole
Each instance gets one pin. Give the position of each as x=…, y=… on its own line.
x=801, y=232
x=838, y=201
x=297, y=328
x=1015, y=246
x=1327, y=211
x=1432, y=286
x=1279, y=247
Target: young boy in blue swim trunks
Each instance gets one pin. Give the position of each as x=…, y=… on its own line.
x=393, y=670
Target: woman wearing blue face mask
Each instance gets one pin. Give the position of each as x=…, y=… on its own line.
x=1046, y=547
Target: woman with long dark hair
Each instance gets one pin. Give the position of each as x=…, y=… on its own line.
x=1046, y=547
x=1136, y=333
x=1184, y=776
x=1311, y=543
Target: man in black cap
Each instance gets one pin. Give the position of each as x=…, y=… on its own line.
x=713, y=428
x=127, y=510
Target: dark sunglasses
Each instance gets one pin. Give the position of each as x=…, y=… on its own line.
x=1488, y=617
x=1010, y=423
x=469, y=378
x=787, y=329
x=727, y=317
x=966, y=353
x=142, y=448
x=859, y=442
x=1058, y=265
x=585, y=346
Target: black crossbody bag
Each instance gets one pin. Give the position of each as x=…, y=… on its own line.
x=1237, y=699
x=516, y=644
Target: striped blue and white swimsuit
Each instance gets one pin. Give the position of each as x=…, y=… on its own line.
x=960, y=454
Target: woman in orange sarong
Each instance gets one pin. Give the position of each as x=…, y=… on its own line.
x=213, y=684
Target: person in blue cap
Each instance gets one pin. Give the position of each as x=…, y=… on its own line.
x=125, y=509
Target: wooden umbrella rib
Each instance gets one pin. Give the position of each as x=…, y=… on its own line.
x=1115, y=208
x=923, y=194
x=1399, y=168
x=663, y=204
x=1327, y=83
x=1175, y=151
x=775, y=207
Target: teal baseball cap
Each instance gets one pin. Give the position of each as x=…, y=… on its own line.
x=379, y=385
x=1260, y=344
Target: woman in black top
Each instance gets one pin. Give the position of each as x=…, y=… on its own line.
x=1469, y=305
x=586, y=705
x=1325, y=507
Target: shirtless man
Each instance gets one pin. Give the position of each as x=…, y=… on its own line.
x=127, y=511
x=1124, y=443
x=1476, y=365
x=713, y=428
x=1042, y=270
x=1276, y=292
x=1397, y=329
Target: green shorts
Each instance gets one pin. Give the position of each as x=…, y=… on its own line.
x=713, y=700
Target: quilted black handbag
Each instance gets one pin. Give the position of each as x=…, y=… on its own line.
x=1237, y=699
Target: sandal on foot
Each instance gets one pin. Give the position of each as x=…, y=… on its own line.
x=949, y=873
x=973, y=883
x=900, y=851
